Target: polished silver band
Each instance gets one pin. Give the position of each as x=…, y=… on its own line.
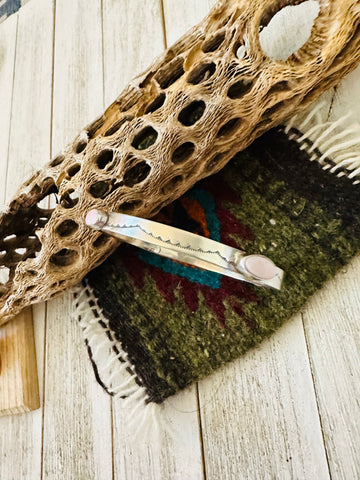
x=188, y=248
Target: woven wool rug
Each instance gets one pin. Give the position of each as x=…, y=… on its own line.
x=153, y=326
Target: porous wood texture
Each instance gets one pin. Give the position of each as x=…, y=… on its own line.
x=201, y=102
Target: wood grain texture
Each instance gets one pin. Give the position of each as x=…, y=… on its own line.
x=31, y=109
x=19, y=390
x=180, y=17
x=174, y=451
x=21, y=435
x=7, y=59
x=132, y=37
x=267, y=402
x=77, y=437
x=332, y=330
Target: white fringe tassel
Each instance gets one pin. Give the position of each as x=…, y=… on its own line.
x=113, y=366
x=338, y=140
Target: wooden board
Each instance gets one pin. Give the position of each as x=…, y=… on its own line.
x=175, y=452
x=19, y=390
x=77, y=433
x=29, y=147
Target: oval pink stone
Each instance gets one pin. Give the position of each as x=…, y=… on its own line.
x=260, y=267
x=96, y=219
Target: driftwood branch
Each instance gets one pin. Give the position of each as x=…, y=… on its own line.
x=180, y=121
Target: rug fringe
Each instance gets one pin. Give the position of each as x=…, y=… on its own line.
x=334, y=144
x=116, y=375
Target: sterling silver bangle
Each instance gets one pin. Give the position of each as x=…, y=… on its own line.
x=188, y=248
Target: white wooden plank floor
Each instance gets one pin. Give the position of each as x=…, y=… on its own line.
x=287, y=410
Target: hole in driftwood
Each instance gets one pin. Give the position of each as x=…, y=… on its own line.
x=9, y=238
x=57, y=160
x=46, y=198
x=239, y=48
x=42, y=221
x=156, y=104
x=4, y=274
x=213, y=43
x=44, y=202
x=182, y=153
x=114, y=128
x=201, y=73
x=270, y=111
x=137, y=174
x=95, y=125
x=53, y=201
x=287, y=30
x=263, y=125
x=169, y=74
x=101, y=240
x=229, y=127
x=20, y=251
x=129, y=206
x=172, y=184
x=214, y=162
x=147, y=80
x=66, y=228
x=100, y=189
x=240, y=52
x=63, y=258
x=279, y=87
x=239, y=89
x=145, y=138
x=31, y=179
x=69, y=199
x=192, y=113
x=74, y=170
x=226, y=21
x=104, y=158
x=80, y=145
x=128, y=99
x=157, y=209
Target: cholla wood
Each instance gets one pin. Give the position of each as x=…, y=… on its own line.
x=182, y=120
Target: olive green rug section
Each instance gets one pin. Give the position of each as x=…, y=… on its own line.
x=178, y=324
